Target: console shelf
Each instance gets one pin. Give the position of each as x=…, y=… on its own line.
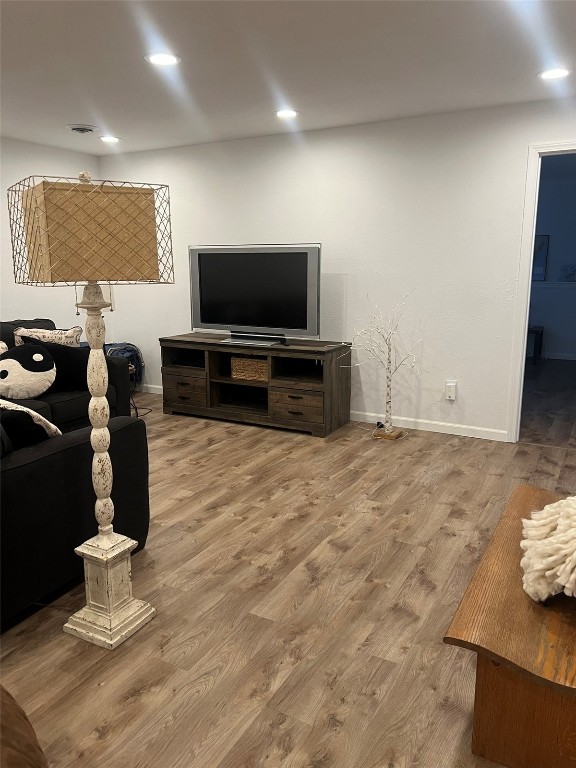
x=238, y=382
x=300, y=385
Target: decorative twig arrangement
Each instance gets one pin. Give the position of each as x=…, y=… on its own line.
x=379, y=342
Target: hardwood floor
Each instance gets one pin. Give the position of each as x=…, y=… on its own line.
x=303, y=586
x=549, y=403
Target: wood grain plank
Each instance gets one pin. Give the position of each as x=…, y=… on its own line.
x=324, y=538
x=345, y=700
x=270, y=740
x=417, y=597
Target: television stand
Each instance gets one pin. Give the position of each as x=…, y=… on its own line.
x=301, y=385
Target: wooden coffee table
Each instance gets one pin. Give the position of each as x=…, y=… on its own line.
x=525, y=703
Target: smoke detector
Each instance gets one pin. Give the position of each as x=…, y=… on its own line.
x=82, y=129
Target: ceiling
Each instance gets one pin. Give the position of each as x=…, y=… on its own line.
x=337, y=62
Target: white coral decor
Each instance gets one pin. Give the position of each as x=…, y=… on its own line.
x=549, y=544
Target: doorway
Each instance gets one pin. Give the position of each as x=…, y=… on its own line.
x=547, y=392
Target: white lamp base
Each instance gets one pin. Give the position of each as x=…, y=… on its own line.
x=111, y=614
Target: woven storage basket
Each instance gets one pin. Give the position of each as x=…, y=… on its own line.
x=249, y=369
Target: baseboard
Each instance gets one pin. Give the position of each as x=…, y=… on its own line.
x=153, y=389
x=559, y=356
x=464, y=430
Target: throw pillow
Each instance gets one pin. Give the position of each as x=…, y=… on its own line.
x=71, y=365
x=68, y=337
x=22, y=426
x=7, y=328
x=26, y=371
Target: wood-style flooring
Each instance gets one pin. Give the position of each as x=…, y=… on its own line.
x=303, y=587
x=549, y=403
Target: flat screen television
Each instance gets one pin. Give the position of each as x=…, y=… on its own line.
x=257, y=291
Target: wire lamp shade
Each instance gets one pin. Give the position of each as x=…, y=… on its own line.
x=77, y=230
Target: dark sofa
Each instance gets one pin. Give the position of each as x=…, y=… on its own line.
x=47, y=508
x=69, y=410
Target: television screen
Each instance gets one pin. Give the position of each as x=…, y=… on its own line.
x=258, y=289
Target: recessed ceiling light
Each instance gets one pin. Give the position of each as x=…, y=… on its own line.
x=163, y=59
x=554, y=74
x=286, y=114
x=110, y=139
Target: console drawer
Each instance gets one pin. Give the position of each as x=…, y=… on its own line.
x=190, y=390
x=297, y=405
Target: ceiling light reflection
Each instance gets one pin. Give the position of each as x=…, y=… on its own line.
x=163, y=59
x=554, y=74
x=286, y=114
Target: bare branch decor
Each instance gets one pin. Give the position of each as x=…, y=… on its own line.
x=379, y=341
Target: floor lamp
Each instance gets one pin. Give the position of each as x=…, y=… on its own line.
x=78, y=231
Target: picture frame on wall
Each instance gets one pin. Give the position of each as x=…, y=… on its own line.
x=541, y=243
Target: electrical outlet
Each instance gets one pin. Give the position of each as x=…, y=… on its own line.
x=450, y=389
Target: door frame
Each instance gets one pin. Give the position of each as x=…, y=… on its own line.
x=519, y=342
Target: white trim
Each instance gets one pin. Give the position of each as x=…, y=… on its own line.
x=444, y=427
x=154, y=389
x=465, y=430
x=519, y=336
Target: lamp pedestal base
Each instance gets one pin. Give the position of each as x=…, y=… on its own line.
x=111, y=614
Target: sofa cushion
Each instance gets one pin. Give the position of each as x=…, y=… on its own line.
x=73, y=406
x=7, y=328
x=19, y=431
x=67, y=406
x=35, y=405
x=71, y=365
x=69, y=410
x=6, y=446
x=26, y=371
x=22, y=427
x=68, y=337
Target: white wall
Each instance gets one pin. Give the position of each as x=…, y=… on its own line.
x=432, y=205
x=19, y=160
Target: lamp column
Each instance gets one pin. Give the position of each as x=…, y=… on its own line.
x=111, y=613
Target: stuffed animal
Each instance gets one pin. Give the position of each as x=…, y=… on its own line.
x=26, y=371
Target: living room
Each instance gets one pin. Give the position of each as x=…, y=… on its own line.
x=429, y=203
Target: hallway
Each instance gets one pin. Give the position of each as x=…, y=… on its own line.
x=549, y=403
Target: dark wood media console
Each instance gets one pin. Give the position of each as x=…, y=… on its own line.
x=301, y=385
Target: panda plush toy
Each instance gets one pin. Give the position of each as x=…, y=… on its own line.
x=25, y=371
